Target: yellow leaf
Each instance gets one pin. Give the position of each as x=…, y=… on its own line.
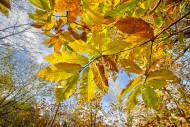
x=94, y=13
x=81, y=46
x=100, y=76
x=4, y=10
x=67, y=57
x=87, y=86
x=132, y=84
x=58, y=72
x=50, y=22
x=163, y=74
x=43, y=4
x=136, y=26
x=130, y=66
x=132, y=100
x=116, y=2
x=65, y=36
x=66, y=90
x=66, y=5
x=40, y=15
x=114, y=47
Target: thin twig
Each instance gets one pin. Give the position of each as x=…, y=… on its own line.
x=156, y=6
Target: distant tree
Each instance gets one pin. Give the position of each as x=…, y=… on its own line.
x=20, y=90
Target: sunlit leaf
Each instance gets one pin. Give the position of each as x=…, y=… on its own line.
x=40, y=15
x=58, y=72
x=57, y=46
x=130, y=66
x=72, y=15
x=42, y=4
x=81, y=46
x=110, y=63
x=65, y=36
x=116, y=2
x=114, y=47
x=132, y=100
x=122, y=8
x=66, y=90
x=162, y=75
x=156, y=84
x=100, y=76
x=88, y=86
x=150, y=98
x=67, y=57
x=132, y=84
x=135, y=26
x=74, y=33
x=66, y=5
x=50, y=22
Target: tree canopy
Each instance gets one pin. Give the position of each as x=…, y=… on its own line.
x=95, y=40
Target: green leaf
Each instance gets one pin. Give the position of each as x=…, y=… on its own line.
x=114, y=47
x=46, y=41
x=122, y=8
x=39, y=15
x=163, y=74
x=149, y=97
x=67, y=57
x=42, y=4
x=130, y=66
x=156, y=84
x=58, y=72
x=132, y=84
x=81, y=46
x=132, y=100
x=99, y=76
x=50, y=22
x=87, y=86
x=66, y=90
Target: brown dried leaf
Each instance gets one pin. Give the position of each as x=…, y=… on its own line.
x=130, y=66
x=136, y=26
x=83, y=36
x=38, y=25
x=110, y=63
x=108, y=20
x=102, y=72
x=72, y=15
x=74, y=33
x=6, y=3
